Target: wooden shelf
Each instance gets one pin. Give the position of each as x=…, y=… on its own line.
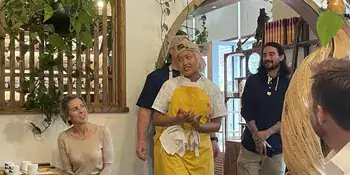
x=302, y=44
x=241, y=53
x=308, y=43
x=235, y=95
x=240, y=78
x=286, y=47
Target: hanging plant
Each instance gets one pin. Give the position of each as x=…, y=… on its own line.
x=54, y=26
x=165, y=11
x=202, y=36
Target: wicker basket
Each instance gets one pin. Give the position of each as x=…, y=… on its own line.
x=301, y=146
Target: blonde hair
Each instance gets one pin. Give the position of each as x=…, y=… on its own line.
x=64, y=107
x=202, y=64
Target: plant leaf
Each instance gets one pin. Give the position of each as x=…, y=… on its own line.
x=36, y=130
x=167, y=4
x=197, y=32
x=77, y=26
x=328, y=24
x=90, y=9
x=24, y=16
x=15, y=4
x=112, y=3
x=24, y=48
x=85, y=19
x=86, y=38
x=167, y=11
x=48, y=12
x=72, y=20
x=56, y=40
x=49, y=28
x=165, y=27
x=25, y=86
x=33, y=35
x=17, y=25
x=75, y=74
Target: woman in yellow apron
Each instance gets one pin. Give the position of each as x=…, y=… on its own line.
x=188, y=108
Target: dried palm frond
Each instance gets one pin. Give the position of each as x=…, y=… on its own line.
x=301, y=146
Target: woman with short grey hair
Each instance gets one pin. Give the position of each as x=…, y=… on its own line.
x=85, y=148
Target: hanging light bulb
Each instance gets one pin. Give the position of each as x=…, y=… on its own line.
x=336, y=6
x=100, y=3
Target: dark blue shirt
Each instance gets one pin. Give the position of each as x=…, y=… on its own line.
x=152, y=86
x=263, y=102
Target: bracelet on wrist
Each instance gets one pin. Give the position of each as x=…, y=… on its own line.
x=214, y=139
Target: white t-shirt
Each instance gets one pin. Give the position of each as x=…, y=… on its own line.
x=217, y=103
x=338, y=163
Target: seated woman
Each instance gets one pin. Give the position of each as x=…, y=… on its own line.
x=85, y=148
x=188, y=108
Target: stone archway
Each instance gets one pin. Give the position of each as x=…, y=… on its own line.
x=296, y=159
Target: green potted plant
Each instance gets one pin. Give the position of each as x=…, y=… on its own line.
x=54, y=26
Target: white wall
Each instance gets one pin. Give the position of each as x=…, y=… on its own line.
x=249, y=15
x=143, y=44
x=280, y=10
x=223, y=23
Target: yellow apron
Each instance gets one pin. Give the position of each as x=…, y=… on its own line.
x=186, y=98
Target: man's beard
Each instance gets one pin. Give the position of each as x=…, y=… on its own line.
x=272, y=67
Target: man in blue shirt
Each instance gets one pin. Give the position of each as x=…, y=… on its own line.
x=150, y=90
x=262, y=104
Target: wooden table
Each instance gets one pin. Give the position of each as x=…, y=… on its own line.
x=232, y=152
x=42, y=171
